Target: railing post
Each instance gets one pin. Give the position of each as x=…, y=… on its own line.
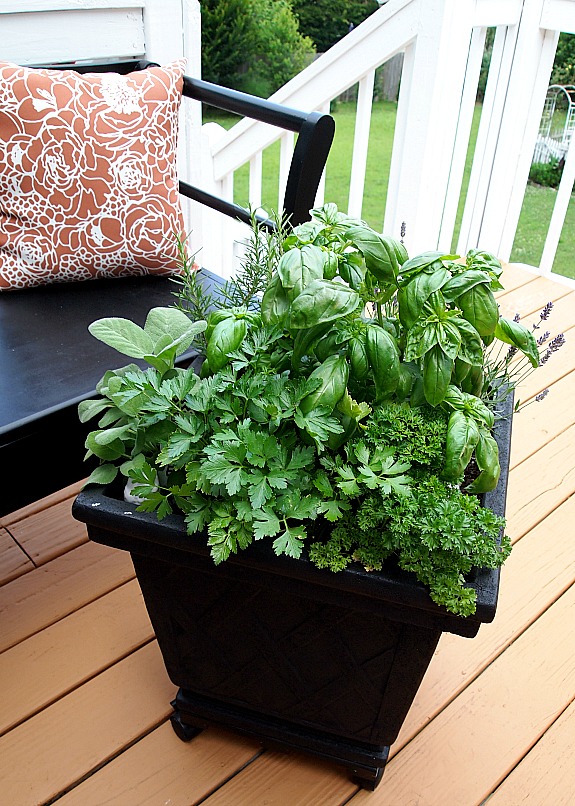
x=426, y=126
x=526, y=65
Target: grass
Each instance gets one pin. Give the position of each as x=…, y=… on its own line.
x=535, y=214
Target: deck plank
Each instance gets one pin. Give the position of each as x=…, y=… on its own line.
x=13, y=561
x=56, y=660
x=48, y=533
x=541, y=483
x=526, y=299
x=54, y=590
x=474, y=743
x=66, y=493
x=176, y=773
x=285, y=778
x=541, y=422
x=65, y=742
x=514, y=276
x=547, y=773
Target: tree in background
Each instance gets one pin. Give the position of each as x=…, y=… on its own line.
x=252, y=45
x=325, y=22
x=564, y=66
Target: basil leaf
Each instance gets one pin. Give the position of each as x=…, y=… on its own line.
x=470, y=349
x=519, y=336
x=305, y=341
x=420, y=262
x=322, y=301
x=449, y=338
x=462, y=437
x=487, y=457
x=275, y=303
x=413, y=296
x=437, y=369
x=383, y=356
x=420, y=339
x=333, y=374
x=298, y=267
x=358, y=361
x=352, y=270
x=460, y=283
x=226, y=337
x=378, y=252
x=480, y=309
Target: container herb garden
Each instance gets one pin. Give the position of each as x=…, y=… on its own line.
x=323, y=492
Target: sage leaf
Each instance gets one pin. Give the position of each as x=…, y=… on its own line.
x=123, y=335
x=163, y=322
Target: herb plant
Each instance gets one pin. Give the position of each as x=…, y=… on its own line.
x=343, y=394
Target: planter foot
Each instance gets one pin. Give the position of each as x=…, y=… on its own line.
x=183, y=731
x=368, y=778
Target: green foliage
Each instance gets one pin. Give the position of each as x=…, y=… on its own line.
x=437, y=532
x=252, y=46
x=564, y=64
x=342, y=382
x=429, y=527
x=227, y=36
x=417, y=435
x=547, y=174
x=325, y=23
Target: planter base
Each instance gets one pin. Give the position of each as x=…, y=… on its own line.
x=193, y=713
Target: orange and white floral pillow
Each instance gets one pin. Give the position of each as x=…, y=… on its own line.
x=88, y=180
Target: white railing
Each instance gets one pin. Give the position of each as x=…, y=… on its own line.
x=443, y=43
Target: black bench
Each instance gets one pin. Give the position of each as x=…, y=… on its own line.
x=48, y=360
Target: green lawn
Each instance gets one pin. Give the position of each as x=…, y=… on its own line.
x=533, y=222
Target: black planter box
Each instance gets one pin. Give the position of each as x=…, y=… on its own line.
x=279, y=650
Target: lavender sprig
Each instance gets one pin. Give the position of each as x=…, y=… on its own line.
x=542, y=339
x=502, y=366
x=554, y=345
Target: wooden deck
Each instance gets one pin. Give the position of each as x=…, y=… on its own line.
x=85, y=698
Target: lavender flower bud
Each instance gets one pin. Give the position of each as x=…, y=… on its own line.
x=516, y=318
x=542, y=339
x=542, y=395
x=554, y=345
x=544, y=315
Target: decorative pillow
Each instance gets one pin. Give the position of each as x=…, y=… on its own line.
x=88, y=181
